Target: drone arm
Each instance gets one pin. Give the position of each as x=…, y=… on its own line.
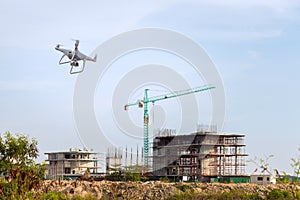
x=91, y=59
x=60, y=61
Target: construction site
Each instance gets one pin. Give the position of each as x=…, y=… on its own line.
x=201, y=156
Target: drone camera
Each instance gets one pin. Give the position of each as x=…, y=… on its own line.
x=75, y=64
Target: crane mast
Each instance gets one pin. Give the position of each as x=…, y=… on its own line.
x=144, y=104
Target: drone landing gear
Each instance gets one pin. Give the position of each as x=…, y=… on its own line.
x=75, y=64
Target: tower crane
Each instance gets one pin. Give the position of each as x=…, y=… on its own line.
x=144, y=104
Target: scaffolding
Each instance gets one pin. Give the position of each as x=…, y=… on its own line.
x=201, y=154
x=116, y=161
x=113, y=160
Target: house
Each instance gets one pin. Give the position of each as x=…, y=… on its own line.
x=263, y=179
x=72, y=164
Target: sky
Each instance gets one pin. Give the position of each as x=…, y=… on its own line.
x=254, y=45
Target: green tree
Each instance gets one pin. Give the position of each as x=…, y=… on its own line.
x=296, y=165
x=17, y=164
x=132, y=176
x=115, y=176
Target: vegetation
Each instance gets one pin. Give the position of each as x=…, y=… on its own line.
x=129, y=176
x=296, y=165
x=133, y=173
x=115, y=176
x=231, y=195
x=20, y=173
x=236, y=194
x=278, y=194
x=164, y=179
x=61, y=196
x=126, y=176
x=184, y=187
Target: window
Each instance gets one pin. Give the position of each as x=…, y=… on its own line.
x=174, y=170
x=67, y=170
x=268, y=178
x=260, y=178
x=67, y=156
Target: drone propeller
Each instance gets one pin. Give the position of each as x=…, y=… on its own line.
x=76, y=42
x=59, y=45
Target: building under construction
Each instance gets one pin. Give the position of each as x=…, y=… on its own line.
x=201, y=155
x=113, y=160
x=72, y=164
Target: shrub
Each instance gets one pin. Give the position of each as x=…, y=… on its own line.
x=279, y=194
x=115, y=176
x=54, y=196
x=184, y=187
x=164, y=179
x=298, y=195
x=231, y=195
x=131, y=176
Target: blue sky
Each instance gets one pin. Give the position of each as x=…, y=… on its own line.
x=254, y=45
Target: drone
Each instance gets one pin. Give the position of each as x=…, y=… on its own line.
x=75, y=56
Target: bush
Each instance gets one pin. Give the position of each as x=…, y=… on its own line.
x=164, y=179
x=130, y=176
x=231, y=195
x=237, y=194
x=279, y=194
x=115, y=176
x=54, y=196
x=298, y=195
x=184, y=187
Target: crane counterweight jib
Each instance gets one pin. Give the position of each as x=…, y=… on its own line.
x=126, y=107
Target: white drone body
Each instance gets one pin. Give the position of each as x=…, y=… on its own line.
x=74, y=56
